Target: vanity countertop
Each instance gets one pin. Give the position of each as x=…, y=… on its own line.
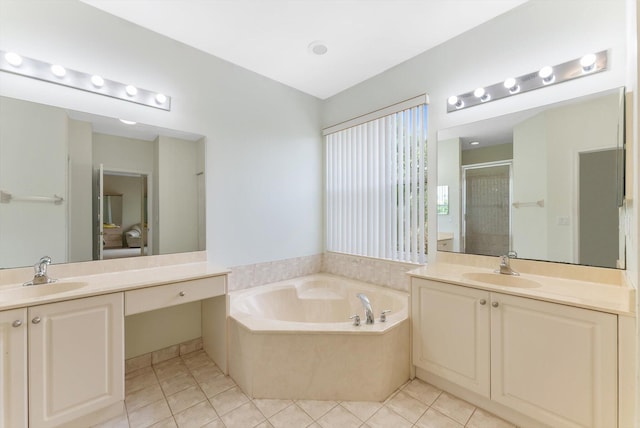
x=612, y=298
x=112, y=282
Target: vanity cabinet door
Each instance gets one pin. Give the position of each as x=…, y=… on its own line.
x=13, y=368
x=555, y=363
x=451, y=333
x=76, y=358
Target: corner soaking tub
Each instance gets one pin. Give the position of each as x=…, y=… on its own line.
x=294, y=340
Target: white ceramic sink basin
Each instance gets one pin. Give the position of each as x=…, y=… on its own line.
x=31, y=291
x=502, y=280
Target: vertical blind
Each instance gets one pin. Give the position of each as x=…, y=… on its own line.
x=375, y=186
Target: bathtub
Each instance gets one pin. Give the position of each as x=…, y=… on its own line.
x=294, y=340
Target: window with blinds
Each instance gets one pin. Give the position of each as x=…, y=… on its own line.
x=375, y=184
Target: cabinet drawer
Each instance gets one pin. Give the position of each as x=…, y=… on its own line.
x=148, y=299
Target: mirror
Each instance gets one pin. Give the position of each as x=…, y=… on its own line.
x=54, y=163
x=545, y=183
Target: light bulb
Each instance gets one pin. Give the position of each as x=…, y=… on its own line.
x=58, y=70
x=511, y=85
x=161, y=98
x=474, y=143
x=482, y=94
x=97, y=81
x=545, y=72
x=547, y=75
x=131, y=90
x=454, y=101
x=127, y=122
x=588, y=62
x=13, y=59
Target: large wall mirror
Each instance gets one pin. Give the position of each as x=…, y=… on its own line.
x=80, y=187
x=546, y=184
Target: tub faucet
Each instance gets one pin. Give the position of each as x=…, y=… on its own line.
x=505, y=266
x=40, y=276
x=368, y=311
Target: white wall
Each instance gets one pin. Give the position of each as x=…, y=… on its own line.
x=449, y=153
x=80, y=226
x=263, y=146
x=531, y=182
x=33, y=162
x=176, y=226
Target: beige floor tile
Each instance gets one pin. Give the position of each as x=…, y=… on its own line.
x=270, y=407
x=215, y=424
x=170, y=368
x=196, y=359
x=265, y=424
x=216, y=385
x=177, y=383
x=454, y=408
x=149, y=414
x=422, y=391
x=191, y=346
x=120, y=421
x=316, y=408
x=362, y=409
x=137, y=363
x=482, y=419
x=385, y=417
x=206, y=372
x=184, y=399
x=244, y=416
x=435, y=419
x=407, y=406
x=196, y=416
x=142, y=397
x=228, y=400
x=140, y=382
x=165, y=354
x=339, y=417
x=139, y=372
x=165, y=423
x=291, y=417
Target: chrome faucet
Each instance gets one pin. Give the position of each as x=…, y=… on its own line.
x=40, y=276
x=368, y=311
x=505, y=266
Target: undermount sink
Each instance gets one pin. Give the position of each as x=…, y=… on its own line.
x=500, y=279
x=26, y=292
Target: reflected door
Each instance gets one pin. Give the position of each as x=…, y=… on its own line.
x=487, y=213
x=598, y=209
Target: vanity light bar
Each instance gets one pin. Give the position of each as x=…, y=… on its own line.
x=547, y=75
x=55, y=73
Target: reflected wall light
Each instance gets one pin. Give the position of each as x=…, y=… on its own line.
x=547, y=75
x=11, y=62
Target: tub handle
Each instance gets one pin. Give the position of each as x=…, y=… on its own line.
x=356, y=320
x=383, y=315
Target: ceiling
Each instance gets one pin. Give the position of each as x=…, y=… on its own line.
x=272, y=37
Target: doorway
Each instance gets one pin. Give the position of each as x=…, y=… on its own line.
x=123, y=209
x=598, y=215
x=487, y=208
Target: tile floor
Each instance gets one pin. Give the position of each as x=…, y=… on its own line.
x=191, y=391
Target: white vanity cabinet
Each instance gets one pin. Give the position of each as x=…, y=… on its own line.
x=73, y=352
x=554, y=363
x=451, y=333
x=13, y=368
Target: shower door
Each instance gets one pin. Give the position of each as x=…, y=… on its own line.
x=487, y=208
